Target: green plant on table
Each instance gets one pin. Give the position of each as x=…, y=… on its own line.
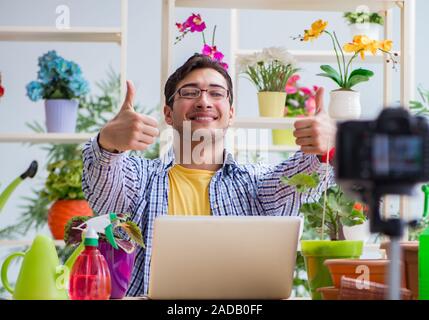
x=339, y=209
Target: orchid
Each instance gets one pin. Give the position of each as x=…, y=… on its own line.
x=344, y=76
x=194, y=23
x=269, y=69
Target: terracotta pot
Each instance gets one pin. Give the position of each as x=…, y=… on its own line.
x=329, y=293
x=62, y=211
x=409, y=253
x=376, y=270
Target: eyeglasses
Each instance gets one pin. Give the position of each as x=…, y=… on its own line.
x=216, y=93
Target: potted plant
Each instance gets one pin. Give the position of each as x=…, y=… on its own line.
x=269, y=70
x=329, y=215
x=367, y=23
x=63, y=187
x=345, y=102
x=300, y=102
x=60, y=83
x=120, y=261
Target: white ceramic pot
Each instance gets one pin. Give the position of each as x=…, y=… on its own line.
x=61, y=115
x=344, y=105
x=358, y=232
x=371, y=30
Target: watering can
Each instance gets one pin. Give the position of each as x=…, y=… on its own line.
x=29, y=173
x=41, y=276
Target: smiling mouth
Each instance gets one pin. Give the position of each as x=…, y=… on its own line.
x=203, y=118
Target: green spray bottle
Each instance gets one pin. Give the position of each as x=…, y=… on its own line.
x=423, y=257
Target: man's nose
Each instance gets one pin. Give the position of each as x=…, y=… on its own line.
x=203, y=101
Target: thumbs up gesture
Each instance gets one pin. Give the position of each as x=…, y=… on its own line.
x=128, y=130
x=316, y=135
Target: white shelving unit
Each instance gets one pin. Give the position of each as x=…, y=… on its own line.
x=116, y=35
x=45, y=137
x=407, y=43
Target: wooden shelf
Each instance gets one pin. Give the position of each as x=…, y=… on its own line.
x=75, y=34
x=299, y=5
x=46, y=137
x=264, y=123
x=323, y=56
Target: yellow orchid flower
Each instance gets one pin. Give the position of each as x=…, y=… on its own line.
x=386, y=45
x=319, y=26
x=316, y=30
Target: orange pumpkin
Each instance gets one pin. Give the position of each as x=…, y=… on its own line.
x=62, y=211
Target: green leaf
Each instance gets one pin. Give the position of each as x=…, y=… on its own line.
x=302, y=181
x=333, y=74
x=355, y=80
x=133, y=231
x=340, y=84
x=361, y=72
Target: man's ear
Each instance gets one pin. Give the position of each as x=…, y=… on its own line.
x=168, y=115
x=231, y=115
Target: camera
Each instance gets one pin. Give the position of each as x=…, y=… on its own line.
x=390, y=152
x=388, y=155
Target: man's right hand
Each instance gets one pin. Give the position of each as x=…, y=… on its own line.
x=128, y=130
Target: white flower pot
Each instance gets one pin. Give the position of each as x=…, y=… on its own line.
x=358, y=232
x=371, y=30
x=344, y=105
x=61, y=115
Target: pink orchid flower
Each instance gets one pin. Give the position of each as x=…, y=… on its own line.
x=214, y=54
x=195, y=23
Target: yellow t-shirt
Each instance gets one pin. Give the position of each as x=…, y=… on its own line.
x=189, y=191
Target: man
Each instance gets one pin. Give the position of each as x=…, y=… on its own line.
x=191, y=179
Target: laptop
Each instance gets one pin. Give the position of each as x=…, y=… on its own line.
x=233, y=257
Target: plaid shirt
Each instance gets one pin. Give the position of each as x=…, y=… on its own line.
x=120, y=183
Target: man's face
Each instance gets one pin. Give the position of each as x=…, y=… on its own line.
x=209, y=111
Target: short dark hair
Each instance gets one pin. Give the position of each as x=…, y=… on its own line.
x=197, y=61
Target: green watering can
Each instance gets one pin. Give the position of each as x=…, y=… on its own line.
x=41, y=276
x=29, y=173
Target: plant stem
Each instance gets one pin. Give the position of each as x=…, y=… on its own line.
x=342, y=55
x=350, y=61
x=213, y=37
x=204, y=38
x=336, y=54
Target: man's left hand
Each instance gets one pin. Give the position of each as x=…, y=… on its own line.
x=316, y=135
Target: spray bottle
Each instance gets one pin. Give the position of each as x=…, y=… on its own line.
x=423, y=257
x=90, y=275
x=101, y=224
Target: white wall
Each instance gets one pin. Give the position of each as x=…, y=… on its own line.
x=18, y=63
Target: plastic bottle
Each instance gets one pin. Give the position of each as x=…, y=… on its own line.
x=423, y=256
x=90, y=276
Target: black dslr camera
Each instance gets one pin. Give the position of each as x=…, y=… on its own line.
x=390, y=153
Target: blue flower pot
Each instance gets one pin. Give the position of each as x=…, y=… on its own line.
x=61, y=115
